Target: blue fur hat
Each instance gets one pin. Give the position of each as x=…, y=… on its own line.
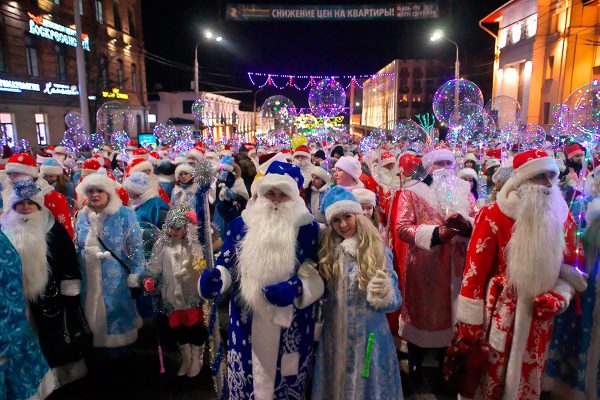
x=338, y=201
x=283, y=176
x=283, y=168
x=51, y=167
x=26, y=190
x=227, y=163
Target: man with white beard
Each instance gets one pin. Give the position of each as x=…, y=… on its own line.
x=268, y=262
x=518, y=276
x=302, y=160
x=432, y=224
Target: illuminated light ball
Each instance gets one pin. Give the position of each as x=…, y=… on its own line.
x=327, y=98
x=583, y=115
x=198, y=109
x=560, y=112
x=531, y=136
x=367, y=143
x=298, y=140
x=509, y=133
x=185, y=140
x=277, y=115
x=139, y=240
x=74, y=139
x=119, y=140
x=96, y=141
x=113, y=116
x=503, y=109
x=74, y=120
x=465, y=114
x=456, y=92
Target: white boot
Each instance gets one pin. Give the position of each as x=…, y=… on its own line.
x=197, y=360
x=186, y=359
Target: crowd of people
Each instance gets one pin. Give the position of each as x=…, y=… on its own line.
x=333, y=263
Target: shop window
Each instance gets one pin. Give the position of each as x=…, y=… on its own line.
x=7, y=129
x=42, y=129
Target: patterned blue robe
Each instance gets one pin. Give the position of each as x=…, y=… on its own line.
x=106, y=297
x=298, y=338
x=24, y=372
x=383, y=382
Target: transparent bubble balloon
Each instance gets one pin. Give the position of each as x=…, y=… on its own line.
x=583, y=117
x=503, y=109
x=560, y=112
x=139, y=240
x=198, y=108
x=465, y=115
x=74, y=120
x=456, y=97
x=185, y=140
x=509, y=133
x=277, y=115
x=531, y=136
x=96, y=140
x=327, y=98
x=479, y=130
x=74, y=139
x=118, y=140
x=113, y=116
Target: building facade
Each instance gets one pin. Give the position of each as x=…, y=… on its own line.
x=222, y=115
x=38, y=72
x=545, y=50
x=407, y=91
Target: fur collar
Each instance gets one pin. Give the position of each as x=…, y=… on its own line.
x=323, y=189
x=349, y=246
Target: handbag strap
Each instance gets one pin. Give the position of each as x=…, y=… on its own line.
x=112, y=253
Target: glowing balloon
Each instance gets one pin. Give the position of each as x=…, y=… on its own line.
x=531, y=136
x=457, y=99
x=503, y=109
x=583, y=117
x=198, y=109
x=277, y=115
x=74, y=120
x=114, y=116
x=119, y=140
x=327, y=98
x=298, y=140
x=139, y=240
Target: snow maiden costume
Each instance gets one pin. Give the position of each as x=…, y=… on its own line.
x=354, y=315
x=108, y=306
x=268, y=262
x=51, y=282
x=24, y=371
x=184, y=192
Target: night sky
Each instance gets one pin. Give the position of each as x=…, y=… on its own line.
x=173, y=27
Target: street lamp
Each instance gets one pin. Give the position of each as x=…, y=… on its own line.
x=210, y=36
x=439, y=34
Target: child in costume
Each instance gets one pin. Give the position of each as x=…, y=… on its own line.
x=356, y=357
x=175, y=269
x=185, y=189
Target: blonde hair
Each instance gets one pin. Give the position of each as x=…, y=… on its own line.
x=370, y=255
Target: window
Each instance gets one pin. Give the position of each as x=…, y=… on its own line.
x=120, y=74
x=103, y=73
x=61, y=64
x=41, y=129
x=550, y=67
x=32, y=61
x=7, y=128
x=117, y=15
x=99, y=12
x=187, y=106
x=80, y=7
x=133, y=78
x=546, y=113
x=131, y=19
x=2, y=60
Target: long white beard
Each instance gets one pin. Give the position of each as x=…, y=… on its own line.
x=451, y=193
x=389, y=177
x=27, y=233
x=267, y=254
x=535, y=250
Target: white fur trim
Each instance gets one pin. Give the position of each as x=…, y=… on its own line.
x=467, y=173
x=143, y=166
x=194, y=154
x=422, y=338
x=225, y=277
x=532, y=168
x=470, y=311
x=593, y=211
x=185, y=167
x=132, y=280
x=321, y=173
x=423, y=236
x=425, y=193
x=264, y=337
x=523, y=314
x=437, y=155
x=51, y=170
x=341, y=207
x=566, y=290
x=301, y=153
x=47, y=385
x=290, y=364
x=285, y=183
x=70, y=287
x=313, y=286
x=21, y=169
x=100, y=181
x=365, y=196
x=574, y=277
x=375, y=299
x=470, y=157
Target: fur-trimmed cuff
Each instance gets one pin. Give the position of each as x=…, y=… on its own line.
x=566, y=290
x=281, y=316
x=313, y=286
x=133, y=280
x=423, y=236
x=70, y=287
x=470, y=311
x=573, y=276
x=225, y=277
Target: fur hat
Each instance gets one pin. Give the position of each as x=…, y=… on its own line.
x=467, y=173
x=100, y=181
x=337, y=201
x=137, y=165
x=349, y=165
x=51, y=167
x=470, y=157
x=179, y=160
x=302, y=150
x=283, y=176
x=227, y=163
x=137, y=183
x=441, y=152
x=59, y=150
x=574, y=150
x=140, y=153
x=196, y=152
x=322, y=173
x=90, y=166
x=365, y=196
x=530, y=163
x=320, y=154
x=26, y=190
x=132, y=145
x=387, y=158
x=185, y=167
x=22, y=163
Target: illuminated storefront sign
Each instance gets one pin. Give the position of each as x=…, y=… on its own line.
x=309, y=121
x=115, y=94
x=40, y=26
x=57, y=88
x=18, y=86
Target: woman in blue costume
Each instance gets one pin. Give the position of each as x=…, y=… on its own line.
x=356, y=357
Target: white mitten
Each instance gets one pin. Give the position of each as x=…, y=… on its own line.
x=103, y=254
x=379, y=290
